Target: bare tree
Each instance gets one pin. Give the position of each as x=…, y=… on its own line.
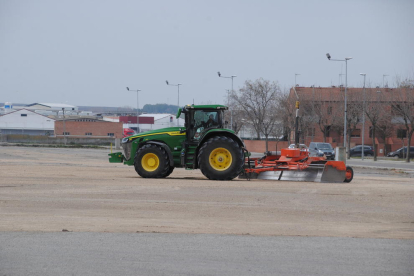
x=235, y=117
x=323, y=110
x=287, y=109
x=403, y=106
x=353, y=117
x=375, y=111
x=259, y=100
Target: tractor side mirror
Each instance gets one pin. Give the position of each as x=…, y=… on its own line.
x=179, y=113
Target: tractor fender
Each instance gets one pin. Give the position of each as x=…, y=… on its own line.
x=164, y=146
x=221, y=132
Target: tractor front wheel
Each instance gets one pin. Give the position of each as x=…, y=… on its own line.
x=151, y=161
x=220, y=158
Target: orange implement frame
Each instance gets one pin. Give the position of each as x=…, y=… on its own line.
x=296, y=165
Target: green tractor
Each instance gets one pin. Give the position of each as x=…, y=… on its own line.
x=203, y=143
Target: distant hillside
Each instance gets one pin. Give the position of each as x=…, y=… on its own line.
x=106, y=109
x=160, y=108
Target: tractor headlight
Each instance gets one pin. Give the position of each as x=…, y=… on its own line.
x=127, y=150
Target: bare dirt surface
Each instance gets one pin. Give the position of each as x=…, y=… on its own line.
x=47, y=189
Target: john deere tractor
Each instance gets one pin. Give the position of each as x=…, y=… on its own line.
x=203, y=143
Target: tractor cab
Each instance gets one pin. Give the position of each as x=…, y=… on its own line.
x=202, y=118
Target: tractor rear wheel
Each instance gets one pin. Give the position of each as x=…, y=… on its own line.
x=220, y=158
x=349, y=174
x=170, y=170
x=151, y=161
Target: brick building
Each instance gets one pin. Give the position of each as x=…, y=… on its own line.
x=85, y=127
x=322, y=116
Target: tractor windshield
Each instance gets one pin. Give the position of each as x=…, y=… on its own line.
x=204, y=119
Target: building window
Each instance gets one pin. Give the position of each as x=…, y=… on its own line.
x=356, y=133
x=328, y=131
x=23, y=115
x=396, y=110
x=88, y=133
x=401, y=133
x=311, y=131
x=66, y=133
x=111, y=134
x=329, y=110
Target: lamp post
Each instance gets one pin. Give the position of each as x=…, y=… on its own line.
x=340, y=79
x=383, y=77
x=295, y=78
x=363, y=119
x=64, y=126
x=137, y=90
x=178, y=101
x=346, y=87
x=228, y=95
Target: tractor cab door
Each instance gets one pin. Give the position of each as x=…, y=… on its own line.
x=204, y=120
x=197, y=121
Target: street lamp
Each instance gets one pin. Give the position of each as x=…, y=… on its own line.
x=64, y=126
x=178, y=102
x=295, y=78
x=383, y=77
x=228, y=95
x=137, y=90
x=346, y=86
x=363, y=119
x=231, y=77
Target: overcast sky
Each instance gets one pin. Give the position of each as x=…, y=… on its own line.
x=87, y=52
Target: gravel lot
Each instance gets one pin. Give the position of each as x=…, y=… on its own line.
x=63, y=189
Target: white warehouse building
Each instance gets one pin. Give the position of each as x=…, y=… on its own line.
x=24, y=121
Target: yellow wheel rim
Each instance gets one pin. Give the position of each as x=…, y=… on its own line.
x=220, y=159
x=150, y=162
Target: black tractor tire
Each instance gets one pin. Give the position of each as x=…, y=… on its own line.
x=151, y=161
x=220, y=158
x=349, y=174
x=169, y=171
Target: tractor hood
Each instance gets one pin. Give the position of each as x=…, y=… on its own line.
x=172, y=131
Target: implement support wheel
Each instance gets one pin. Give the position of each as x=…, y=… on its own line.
x=349, y=174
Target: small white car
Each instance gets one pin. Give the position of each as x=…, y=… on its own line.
x=301, y=146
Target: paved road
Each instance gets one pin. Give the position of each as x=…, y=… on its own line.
x=66, y=253
x=391, y=164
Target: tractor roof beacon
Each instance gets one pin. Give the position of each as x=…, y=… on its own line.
x=203, y=143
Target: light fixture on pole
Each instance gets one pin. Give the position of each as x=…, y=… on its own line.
x=178, y=101
x=228, y=95
x=231, y=77
x=136, y=90
x=346, y=87
x=363, y=120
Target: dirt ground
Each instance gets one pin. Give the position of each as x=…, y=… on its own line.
x=47, y=189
